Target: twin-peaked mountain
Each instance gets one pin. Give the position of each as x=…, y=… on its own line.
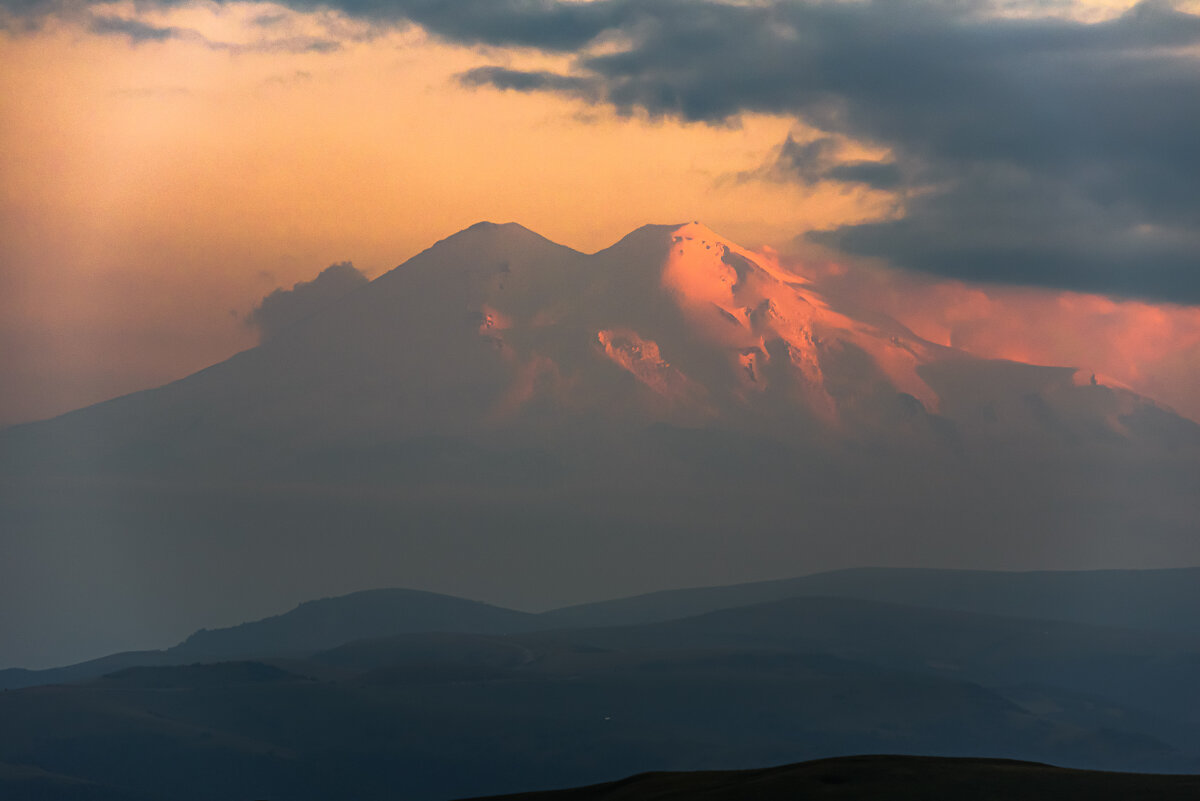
x=508, y=419
x=498, y=333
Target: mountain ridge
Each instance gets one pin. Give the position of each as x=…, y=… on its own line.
x=1149, y=600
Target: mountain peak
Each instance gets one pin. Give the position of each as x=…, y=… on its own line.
x=490, y=235
x=488, y=225
x=697, y=230
x=497, y=329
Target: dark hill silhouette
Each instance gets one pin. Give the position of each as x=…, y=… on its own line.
x=443, y=729
x=312, y=626
x=436, y=714
x=868, y=778
x=1162, y=600
x=325, y=623
x=1151, y=600
x=1141, y=669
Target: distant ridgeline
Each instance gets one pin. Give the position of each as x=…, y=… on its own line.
x=397, y=693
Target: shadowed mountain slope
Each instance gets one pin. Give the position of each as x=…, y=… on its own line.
x=316, y=625
x=1163, y=600
x=1142, y=669
x=1151, y=601
x=312, y=626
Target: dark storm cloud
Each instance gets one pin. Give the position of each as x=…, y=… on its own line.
x=819, y=160
x=283, y=307
x=1045, y=151
x=542, y=24
x=135, y=30
x=501, y=78
x=1027, y=150
x=139, y=32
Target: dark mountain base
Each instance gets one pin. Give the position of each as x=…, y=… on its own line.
x=896, y=778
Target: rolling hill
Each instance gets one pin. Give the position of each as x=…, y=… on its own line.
x=866, y=778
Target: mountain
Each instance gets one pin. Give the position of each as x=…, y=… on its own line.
x=1149, y=600
x=866, y=778
x=502, y=417
x=1138, y=669
x=498, y=329
x=312, y=626
x=317, y=625
x=1158, y=600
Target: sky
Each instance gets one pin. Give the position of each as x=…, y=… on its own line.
x=1016, y=178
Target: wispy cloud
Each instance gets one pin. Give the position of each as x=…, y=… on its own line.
x=138, y=32
x=823, y=159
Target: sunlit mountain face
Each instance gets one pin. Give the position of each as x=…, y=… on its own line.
x=498, y=330
x=505, y=418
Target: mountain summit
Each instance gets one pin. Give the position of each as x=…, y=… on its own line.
x=505, y=418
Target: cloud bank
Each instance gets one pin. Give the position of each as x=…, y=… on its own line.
x=1031, y=151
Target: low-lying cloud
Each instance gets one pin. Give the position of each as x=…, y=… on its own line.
x=283, y=307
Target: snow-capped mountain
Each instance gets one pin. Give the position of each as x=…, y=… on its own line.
x=496, y=331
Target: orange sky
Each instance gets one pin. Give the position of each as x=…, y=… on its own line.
x=1153, y=348
x=151, y=194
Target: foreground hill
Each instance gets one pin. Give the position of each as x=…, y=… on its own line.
x=442, y=727
x=900, y=778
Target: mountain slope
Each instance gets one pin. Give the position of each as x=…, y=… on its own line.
x=1162, y=600
x=316, y=625
x=1151, y=601
x=1140, y=669
x=312, y=626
